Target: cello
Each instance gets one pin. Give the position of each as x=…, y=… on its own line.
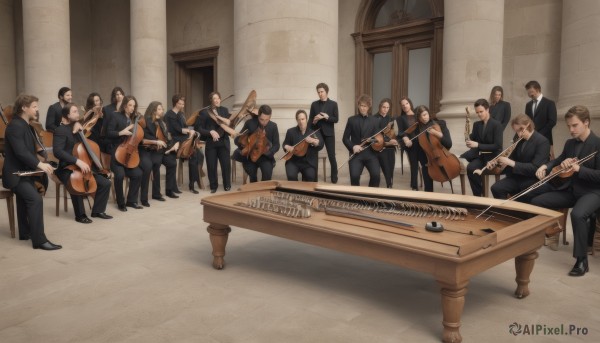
x=441, y=164
x=84, y=183
x=127, y=152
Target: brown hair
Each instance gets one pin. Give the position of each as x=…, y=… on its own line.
x=366, y=99
x=176, y=97
x=580, y=112
x=523, y=119
x=412, y=107
x=301, y=111
x=264, y=109
x=150, y=114
x=533, y=84
x=113, y=95
x=324, y=86
x=24, y=100
x=210, y=96
x=493, y=92
x=482, y=102
x=66, y=110
x=126, y=100
x=422, y=108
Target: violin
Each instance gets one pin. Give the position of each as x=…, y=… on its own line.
x=563, y=175
x=127, y=152
x=84, y=183
x=379, y=140
x=300, y=149
x=89, y=122
x=441, y=164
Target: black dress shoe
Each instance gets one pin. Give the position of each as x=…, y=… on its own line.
x=24, y=238
x=227, y=189
x=580, y=268
x=47, y=246
x=193, y=190
x=122, y=208
x=102, y=215
x=334, y=179
x=160, y=198
x=213, y=191
x=177, y=191
x=172, y=195
x=83, y=220
x=134, y=205
x=145, y=203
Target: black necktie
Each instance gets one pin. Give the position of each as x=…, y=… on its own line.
x=534, y=107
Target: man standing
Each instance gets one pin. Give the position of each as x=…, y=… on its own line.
x=54, y=116
x=542, y=110
x=323, y=114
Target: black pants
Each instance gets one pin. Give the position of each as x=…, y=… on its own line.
x=195, y=162
x=365, y=159
x=584, y=207
x=100, y=198
x=427, y=180
x=512, y=185
x=266, y=166
x=414, y=166
x=30, y=211
x=170, y=163
x=221, y=155
x=150, y=162
x=295, y=167
x=135, y=180
x=387, y=161
x=474, y=179
x=330, y=146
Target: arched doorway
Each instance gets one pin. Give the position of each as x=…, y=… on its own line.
x=399, y=51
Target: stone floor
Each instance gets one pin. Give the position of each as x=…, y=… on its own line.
x=146, y=276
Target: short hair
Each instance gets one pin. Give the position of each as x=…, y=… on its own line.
x=533, y=84
x=412, y=107
x=89, y=103
x=24, y=100
x=150, y=113
x=113, y=95
x=176, y=97
x=523, y=119
x=62, y=91
x=264, y=109
x=66, y=110
x=384, y=100
x=324, y=86
x=580, y=112
x=127, y=99
x=493, y=92
x=482, y=102
x=299, y=112
x=366, y=99
x=210, y=96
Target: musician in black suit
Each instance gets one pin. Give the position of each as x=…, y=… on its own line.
x=116, y=99
x=218, y=147
x=266, y=161
x=407, y=119
x=20, y=155
x=65, y=138
x=485, y=143
x=520, y=166
x=387, y=157
x=53, y=116
x=582, y=191
x=175, y=119
x=119, y=128
x=499, y=109
x=542, y=110
x=155, y=152
x=425, y=123
x=323, y=114
x=360, y=128
x=308, y=164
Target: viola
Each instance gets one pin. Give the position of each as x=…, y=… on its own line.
x=441, y=164
x=300, y=149
x=89, y=123
x=84, y=183
x=127, y=152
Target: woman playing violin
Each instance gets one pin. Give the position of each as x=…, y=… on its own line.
x=307, y=164
x=64, y=140
x=155, y=151
x=582, y=193
x=94, y=101
x=120, y=126
x=407, y=119
x=426, y=122
x=520, y=166
x=387, y=157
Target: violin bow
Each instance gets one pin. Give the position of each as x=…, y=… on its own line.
x=295, y=145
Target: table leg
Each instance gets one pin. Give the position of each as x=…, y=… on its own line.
x=453, y=302
x=524, y=266
x=218, y=238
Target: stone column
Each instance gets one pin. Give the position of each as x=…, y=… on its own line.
x=580, y=47
x=283, y=52
x=47, y=50
x=472, y=59
x=149, y=52
x=8, y=86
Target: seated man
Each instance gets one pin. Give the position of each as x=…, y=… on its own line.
x=308, y=164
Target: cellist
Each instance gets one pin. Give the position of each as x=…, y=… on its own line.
x=425, y=122
x=308, y=164
x=119, y=128
x=64, y=140
x=266, y=161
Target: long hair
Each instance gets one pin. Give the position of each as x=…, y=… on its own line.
x=89, y=103
x=150, y=114
x=126, y=100
x=367, y=100
x=412, y=107
x=113, y=95
x=422, y=108
x=493, y=92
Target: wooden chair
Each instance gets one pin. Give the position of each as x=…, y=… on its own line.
x=234, y=172
x=485, y=182
x=323, y=158
x=180, y=174
x=10, y=206
x=58, y=185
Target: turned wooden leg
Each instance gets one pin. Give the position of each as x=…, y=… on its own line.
x=524, y=266
x=218, y=238
x=453, y=302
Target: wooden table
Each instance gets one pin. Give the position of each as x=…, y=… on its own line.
x=452, y=257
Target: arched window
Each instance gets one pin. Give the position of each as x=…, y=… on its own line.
x=399, y=51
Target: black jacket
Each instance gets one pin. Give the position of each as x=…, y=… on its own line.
x=176, y=124
x=19, y=151
x=62, y=145
x=116, y=123
x=529, y=155
x=53, y=117
x=293, y=136
x=490, y=141
x=359, y=128
x=271, y=132
x=501, y=112
x=544, y=117
x=331, y=108
x=204, y=124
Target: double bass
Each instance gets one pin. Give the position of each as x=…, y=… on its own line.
x=441, y=164
x=127, y=152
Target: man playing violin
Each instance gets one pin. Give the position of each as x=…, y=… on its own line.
x=358, y=138
x=425, y=122
x=20, y=155
x=266, y=146
x=520, y=166
x=582, y=191
x=64, y=140
x=485, y=143
x=157, y=148
x=323, y=115
x=218, y=148
x=308, y=164
x=387, y=157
